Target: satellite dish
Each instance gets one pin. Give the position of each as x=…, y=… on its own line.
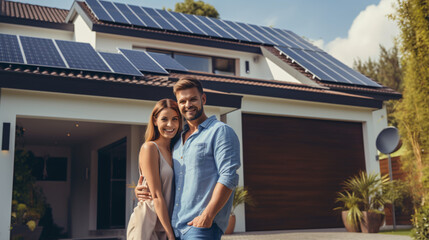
x=388, y=140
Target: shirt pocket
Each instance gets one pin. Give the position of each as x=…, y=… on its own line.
x=200, y=152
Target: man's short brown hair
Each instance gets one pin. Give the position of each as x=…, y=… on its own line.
x=187, y=83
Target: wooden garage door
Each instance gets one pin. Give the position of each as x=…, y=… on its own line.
x=294, y=167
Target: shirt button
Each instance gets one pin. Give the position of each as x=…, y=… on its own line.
x=177, y=204
x=179, y=189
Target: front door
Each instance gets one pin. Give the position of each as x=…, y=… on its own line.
x=112, y=185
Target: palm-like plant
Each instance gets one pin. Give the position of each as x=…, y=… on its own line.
x=351, y=204
x=241, y=195
x=369, y=188
x=363, y=192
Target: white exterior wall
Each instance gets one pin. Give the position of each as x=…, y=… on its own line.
x=82, y=33
x=280, y=73
x=17, y=29
x=57, y=193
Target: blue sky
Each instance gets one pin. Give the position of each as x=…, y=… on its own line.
x=315, y=19
x=324, y=21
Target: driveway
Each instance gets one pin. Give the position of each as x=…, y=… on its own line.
x=331, y=234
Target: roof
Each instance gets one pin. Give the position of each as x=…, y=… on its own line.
x=383, y=93
x=215, y=84
x=99, y=84
x=34, y=15
x=155, y=87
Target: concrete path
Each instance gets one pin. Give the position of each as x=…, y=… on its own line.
x=328, y=234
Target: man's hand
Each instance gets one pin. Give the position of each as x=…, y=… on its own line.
x=142, y=192
x=202, y=221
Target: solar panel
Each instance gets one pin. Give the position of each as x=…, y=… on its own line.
x=242, y=31
x=173, y=21
x=203, y=26
x=143, y=61
x=159, y=19
x=189, y=24
x=10, y=51
x=298, y=40
x=255, y=33
x=214, y=26
x=146, y=19
x=99, y=11
x=230, y=30
x=349, y=72
x=81, y=56
x=131, y=16
x=120, y=64
x=167, y=62
x=114, y=12
x=326, y=67
x=41, y=52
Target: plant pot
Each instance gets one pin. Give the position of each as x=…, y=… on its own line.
x=23, y=232
x=371, y=222
x=349, y=227
x=231, y=224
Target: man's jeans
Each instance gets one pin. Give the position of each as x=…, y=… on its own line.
x=213, y=233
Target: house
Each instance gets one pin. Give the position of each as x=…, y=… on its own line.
x=305, y=121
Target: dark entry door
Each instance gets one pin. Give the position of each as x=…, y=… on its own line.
x=112, y=185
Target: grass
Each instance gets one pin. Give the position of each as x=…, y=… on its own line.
x=402, y=232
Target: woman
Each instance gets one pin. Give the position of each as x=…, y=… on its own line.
x=156, y=165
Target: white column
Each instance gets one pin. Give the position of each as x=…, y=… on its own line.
x=233, y=119
x=6, y=169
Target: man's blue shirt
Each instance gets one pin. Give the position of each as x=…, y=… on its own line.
x=209, y=156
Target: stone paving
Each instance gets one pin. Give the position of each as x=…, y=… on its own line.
x=320, y=234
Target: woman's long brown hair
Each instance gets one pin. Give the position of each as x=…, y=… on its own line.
x=152, y=132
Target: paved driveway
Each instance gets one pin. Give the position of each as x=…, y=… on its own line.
x=333, y=234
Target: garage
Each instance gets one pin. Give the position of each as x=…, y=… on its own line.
x=293, y=168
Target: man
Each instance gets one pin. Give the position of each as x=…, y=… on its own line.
x=205, y=159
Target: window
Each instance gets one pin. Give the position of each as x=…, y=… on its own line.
x=225, y=66
x=193, y=62
x=217, y=65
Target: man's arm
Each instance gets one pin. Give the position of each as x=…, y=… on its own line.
x=227, y=159
x=219, y=198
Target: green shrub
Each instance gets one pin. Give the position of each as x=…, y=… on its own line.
x=421, y=224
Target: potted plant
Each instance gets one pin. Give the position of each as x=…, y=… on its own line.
x=365, y=196
x=241, y=195
x=28, y=201
x=350, y=214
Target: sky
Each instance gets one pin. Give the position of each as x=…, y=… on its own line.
x=347, y=29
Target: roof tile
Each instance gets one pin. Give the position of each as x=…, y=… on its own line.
x=33, y=12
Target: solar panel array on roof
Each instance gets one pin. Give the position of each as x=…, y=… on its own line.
x=325, y=67
x=10, y=50
x=120, y=64
x=41, y=52
x=82, y=56
x=193, y=24
x=143, y=61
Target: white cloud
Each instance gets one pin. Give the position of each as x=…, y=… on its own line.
x=369, y=29
x=318, y=43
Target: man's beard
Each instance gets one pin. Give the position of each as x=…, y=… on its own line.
x=197, y=114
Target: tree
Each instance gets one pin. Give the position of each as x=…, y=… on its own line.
x=387, y=71
x=412, y=112
x=197, y=8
